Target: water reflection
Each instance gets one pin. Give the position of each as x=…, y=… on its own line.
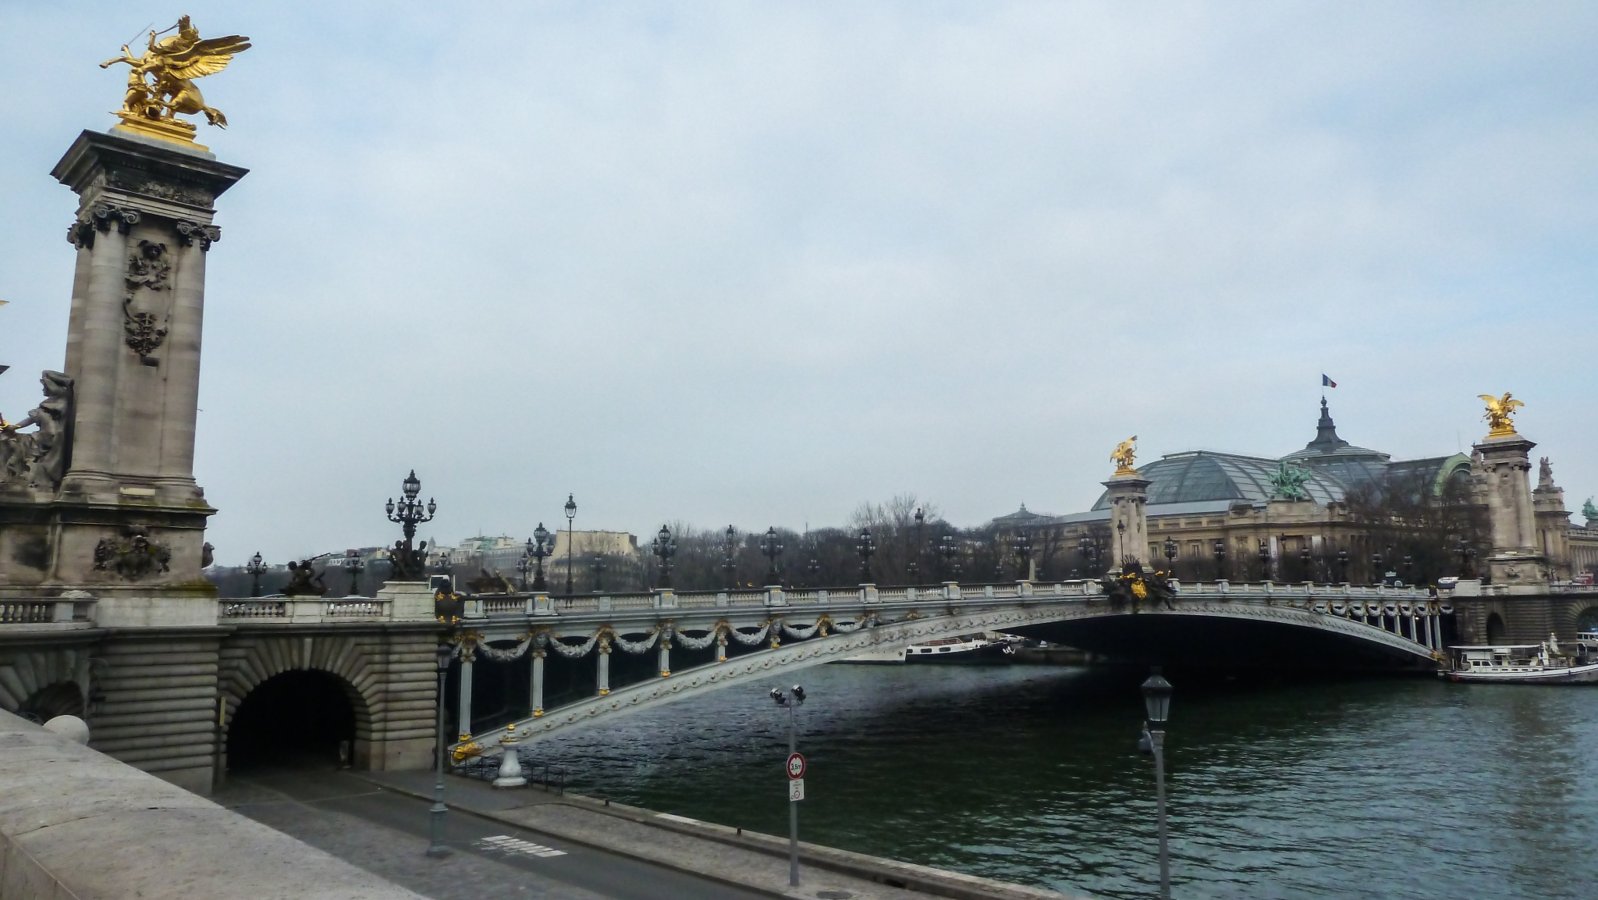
x=1380, y=788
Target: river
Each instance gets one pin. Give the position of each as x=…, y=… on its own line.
x=1405, y=787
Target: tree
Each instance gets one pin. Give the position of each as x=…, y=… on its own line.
x=1414, y=529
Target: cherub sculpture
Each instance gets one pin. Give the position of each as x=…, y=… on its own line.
x=1125, y=452
x=1499, y=409
x=160, y=82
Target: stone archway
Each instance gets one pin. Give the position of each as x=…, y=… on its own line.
x=322, y=666
x=43, y=683
x=1495, y=628
x=295, y=719
x=63, y=698
x=1587, y=619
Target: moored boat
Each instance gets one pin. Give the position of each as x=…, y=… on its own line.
x=966, y=648
x=1518, y=664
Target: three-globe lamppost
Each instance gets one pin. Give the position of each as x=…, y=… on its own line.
x=1157, y=704
x=913, y=568
x=540, y=545
x=1170, y=556
x=792, y=700
x=951, y=562
x=865, y=545
x=771, y=548
x=598, y=568
x=254, y=568
x=1220, y=560
x=352, y=562
x=571, y=514
x=664, y=547
x=1021, y=544
x=729, y=566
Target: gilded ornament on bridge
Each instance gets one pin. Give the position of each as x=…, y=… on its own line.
x=1499, y=409
x=1135, y=586
x=1123, y=456
x=161, y=81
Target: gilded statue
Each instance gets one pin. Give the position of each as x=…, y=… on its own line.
x=1123, y=456
x=1499, y=409
x=161, y=80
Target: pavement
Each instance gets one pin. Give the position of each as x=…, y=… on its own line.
x=740, y=859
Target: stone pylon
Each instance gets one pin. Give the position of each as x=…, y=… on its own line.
x=1553, y=522
x=118, y=512
x=1503, y=464
x=1129, y=523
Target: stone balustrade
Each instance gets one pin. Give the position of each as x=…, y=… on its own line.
x=68, y=612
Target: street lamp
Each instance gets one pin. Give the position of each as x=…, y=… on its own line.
x=409, y=513
x=352, y=562
x=950, y=550
x=539, y=546
x=1089, y=548
x=913, y=568
x=254, y=568
x=1157, y=703
x=729, y=545
x=771, y=548
x=865, y=546
x=1220, y=560
x=524, y=565
x=1342, y=566
x=597, y=566
x=664, y=547
x=813, y=567
x=1170, y=556
x=1265, y=560
x=435, y=817
x=1303, y=559
x=1408, y=562
x=571, y=513
x=1376, y=567
x=1022, y=545
x=1120, y=543
x=792, y=700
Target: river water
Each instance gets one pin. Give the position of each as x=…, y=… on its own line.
x=1403, y=787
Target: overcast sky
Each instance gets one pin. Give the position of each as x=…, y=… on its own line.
x=756, y=263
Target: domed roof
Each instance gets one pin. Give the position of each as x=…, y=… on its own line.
x=1202, y=475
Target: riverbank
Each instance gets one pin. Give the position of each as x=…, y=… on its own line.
x=735, y=856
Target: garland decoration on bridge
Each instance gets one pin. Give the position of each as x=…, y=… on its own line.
x=1135, y=586
x=507, y=655
x=700, y=643
x=750, y=639
x=802, y=633
x=639, y=646
x=573, y=651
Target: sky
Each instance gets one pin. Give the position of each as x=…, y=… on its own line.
x=757, y=263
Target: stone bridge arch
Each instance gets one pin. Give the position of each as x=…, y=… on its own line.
x=41, y=683
x=248, y=663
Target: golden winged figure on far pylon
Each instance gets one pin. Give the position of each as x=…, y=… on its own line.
x=161, y=80
x=1123, y=455
x=1499, y=409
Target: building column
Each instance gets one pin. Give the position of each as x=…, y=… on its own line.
x=604, y=666
x=664, y=657
x=1129, y=527
x=468, y=655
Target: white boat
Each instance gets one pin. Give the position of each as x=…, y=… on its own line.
x=1519, y=664
x=967, y=648
x=878, y=656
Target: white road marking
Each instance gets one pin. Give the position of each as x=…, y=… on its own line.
x=508, y=844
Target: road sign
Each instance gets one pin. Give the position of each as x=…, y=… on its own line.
x=796, y=790
x=796, y=766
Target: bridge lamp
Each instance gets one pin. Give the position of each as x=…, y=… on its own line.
x=771, y=548
x=1303, y=558
x=1120, y=542
x=1022, y=545
x=254, y=568
x=352, y=562
x=664, y=546
x=865, y=546
x=1157, y=704
x=1220, y=559
x=1265, y=560
x=1342, y=565
x=1170, y=554
x=571, y=514
x=435, y=815
x=913, y=568
x=729, y=546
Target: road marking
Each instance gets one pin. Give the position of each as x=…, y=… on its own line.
x=507, y=844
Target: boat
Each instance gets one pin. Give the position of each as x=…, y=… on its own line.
x=991, y=647
x=878, y=656
x=1519, y=664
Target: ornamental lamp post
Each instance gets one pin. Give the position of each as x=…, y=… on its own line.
x=435, y=815
x=1157, y=704
x=352, y=562
x=524, y=565
x=865, y=546
x=791, y=701
x=771, y=548
x=1303, y=560
x=729, y=566
x=949, y=550
x=1220, y=560
x=1376, y=567
x=1265, y=560
x=254, y=568
x=664, y=547
x=1120, y=543
x=1342, y=566
x=813, y=567
x=913, y=567
x=539, y=546
x=1170, y=555
x=1408, y=562
x=1022, y=545
x=597, y=566
x=571, y=514
x=409, y=513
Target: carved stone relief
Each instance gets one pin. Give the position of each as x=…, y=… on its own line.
x=132, y=555
x=149, y=270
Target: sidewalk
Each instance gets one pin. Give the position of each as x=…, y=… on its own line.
x=744, y=858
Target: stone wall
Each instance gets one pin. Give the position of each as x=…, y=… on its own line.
x=75, y=823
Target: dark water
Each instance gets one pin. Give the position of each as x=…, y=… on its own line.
x=1375, y=788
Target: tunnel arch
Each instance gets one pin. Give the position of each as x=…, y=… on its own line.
x=298, y=718
x=333, y=665
x=1495, y=629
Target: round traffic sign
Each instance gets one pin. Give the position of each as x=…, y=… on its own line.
x=796, y=766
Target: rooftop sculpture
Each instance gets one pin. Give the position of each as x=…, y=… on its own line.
x=1499, y=409
x=161, y=81
x=1123, y=456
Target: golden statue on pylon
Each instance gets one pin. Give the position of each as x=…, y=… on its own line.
x=1123, y=456
x=1499, y=409
x=160, y=82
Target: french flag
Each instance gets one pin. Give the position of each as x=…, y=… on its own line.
x=1327, y=382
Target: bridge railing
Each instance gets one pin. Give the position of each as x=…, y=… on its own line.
x=304, y=609
x=58, y=611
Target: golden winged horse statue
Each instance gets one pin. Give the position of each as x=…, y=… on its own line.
x=1499, y=409
x=161, y=80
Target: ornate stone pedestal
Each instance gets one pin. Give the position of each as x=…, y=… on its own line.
x=1129, y=524
x=1504, y=464
x=106, y=500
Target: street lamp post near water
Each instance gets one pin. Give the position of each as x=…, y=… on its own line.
x=571, y=514
x=1157, y=704
x=792, y=700
x=435, y=817
x=254, y=568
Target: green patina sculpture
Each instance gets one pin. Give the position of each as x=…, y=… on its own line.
x=1287, y=482
x=1590, y=511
